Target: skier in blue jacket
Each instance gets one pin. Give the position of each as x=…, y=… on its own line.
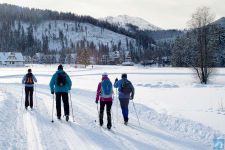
x=60, y=84
x=126, y=93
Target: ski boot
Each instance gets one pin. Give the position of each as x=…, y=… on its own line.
x=67, y=118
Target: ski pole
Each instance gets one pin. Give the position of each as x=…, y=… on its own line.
x=22, y=97
x=53, y=108
x=35, y=88
x=136, y=113
x=112, y=117
x=98, y=111
x=117, y=105
x=72, y=107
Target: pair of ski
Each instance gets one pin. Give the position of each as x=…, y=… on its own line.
x=66, y=122
x=103, y=128
x=29, y=109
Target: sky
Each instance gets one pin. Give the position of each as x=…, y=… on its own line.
x=166, y=14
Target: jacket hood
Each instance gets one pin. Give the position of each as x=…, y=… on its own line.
x=105, y=78
x=59, y=71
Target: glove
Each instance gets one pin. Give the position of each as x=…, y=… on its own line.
x=52, y=92
x=116, y=80
x=96, y=101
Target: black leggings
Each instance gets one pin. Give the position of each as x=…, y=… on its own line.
x=29, y=96
x=108, y=105
x=65, y=98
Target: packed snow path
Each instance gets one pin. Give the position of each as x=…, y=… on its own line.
x=21, y=129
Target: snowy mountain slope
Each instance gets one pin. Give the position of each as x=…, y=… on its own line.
x=74, y=32
x=160, y=127
x=123, y=20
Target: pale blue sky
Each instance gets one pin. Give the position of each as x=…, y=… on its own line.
x=166, y=14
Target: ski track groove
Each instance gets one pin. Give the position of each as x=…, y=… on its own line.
x=32, y=129
x=32, y=132
x=11, y=135
x=49, y=131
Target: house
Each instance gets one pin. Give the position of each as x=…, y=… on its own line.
x=27, y=59
x=104, y=59
x=127, y=59
x=54, y=58
x=11, y=59
x=114, y=57
x=127, y=56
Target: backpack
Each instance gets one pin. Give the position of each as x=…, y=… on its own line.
x=29, y=79
x=61, y=79
x=126, y=87
x=106, y=89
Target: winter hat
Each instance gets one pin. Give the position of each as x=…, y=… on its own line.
x=124, y=75
x=29, y=70
x=60, y=67
x=105, y=74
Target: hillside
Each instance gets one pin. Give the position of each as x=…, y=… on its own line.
x=165, y=35
x=71, y=33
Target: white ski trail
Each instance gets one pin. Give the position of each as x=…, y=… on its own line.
x=86, y=134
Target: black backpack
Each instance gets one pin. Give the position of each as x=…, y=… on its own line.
x=61, y=79
x=126, y=87
x=29, y=78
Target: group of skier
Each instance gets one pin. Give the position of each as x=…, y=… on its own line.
x=61, y=84
x=105, y=95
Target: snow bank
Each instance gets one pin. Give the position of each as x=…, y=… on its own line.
x=178, y=126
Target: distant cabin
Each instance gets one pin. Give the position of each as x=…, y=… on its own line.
x=11, y=59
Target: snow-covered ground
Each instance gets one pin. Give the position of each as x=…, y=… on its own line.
x=174, y=110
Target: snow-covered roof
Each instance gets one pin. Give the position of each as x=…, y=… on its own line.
x=11, y=56
x=115, y=54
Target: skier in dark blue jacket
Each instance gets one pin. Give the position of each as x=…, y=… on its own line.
x=126, y=93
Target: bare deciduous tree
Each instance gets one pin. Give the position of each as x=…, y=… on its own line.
x=202, y=28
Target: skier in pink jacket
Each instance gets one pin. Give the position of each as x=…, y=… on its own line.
x=105, y=95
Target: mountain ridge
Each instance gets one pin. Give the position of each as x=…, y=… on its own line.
x=124, y=21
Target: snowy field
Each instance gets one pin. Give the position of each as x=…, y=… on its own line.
x=175, y=111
